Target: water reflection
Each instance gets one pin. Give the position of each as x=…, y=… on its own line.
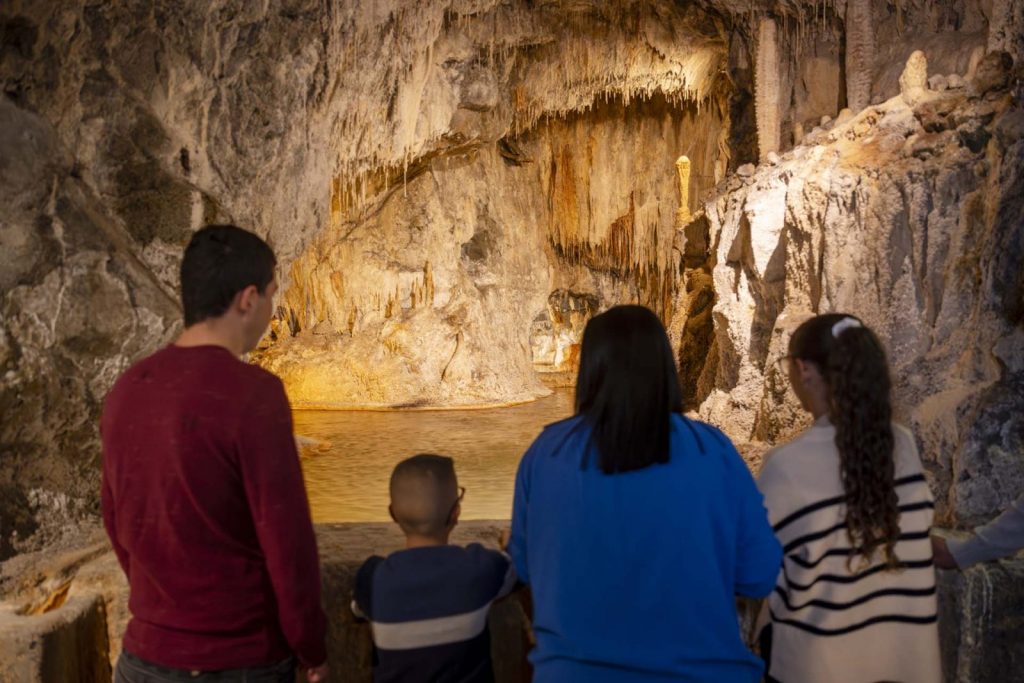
x=347, y=481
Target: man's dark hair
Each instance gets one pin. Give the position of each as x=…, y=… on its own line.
x=627, y=388
x=220, y=261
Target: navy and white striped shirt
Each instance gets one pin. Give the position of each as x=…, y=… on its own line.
x=428, y=609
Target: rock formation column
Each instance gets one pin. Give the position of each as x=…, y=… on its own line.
x=860, y=54
x=766, y=88
x=914, y=79
x=683, y=212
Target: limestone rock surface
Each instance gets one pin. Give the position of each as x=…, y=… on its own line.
x=908, y=218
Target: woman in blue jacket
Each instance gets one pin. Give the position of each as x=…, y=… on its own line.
x=636, y=527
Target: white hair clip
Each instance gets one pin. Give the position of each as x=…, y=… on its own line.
x=843, y=325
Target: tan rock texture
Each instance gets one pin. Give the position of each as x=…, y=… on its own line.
x=908, y=218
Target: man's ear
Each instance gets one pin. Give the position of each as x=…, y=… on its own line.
x=245, y=300
x=456, y=511
x=391, y=512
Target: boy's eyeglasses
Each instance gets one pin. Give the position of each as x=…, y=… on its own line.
x=462, y=494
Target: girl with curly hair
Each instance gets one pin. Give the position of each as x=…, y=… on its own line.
x=855, y=600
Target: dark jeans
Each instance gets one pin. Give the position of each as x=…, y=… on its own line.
x=131, y=669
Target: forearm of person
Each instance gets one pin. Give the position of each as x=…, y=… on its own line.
x=280, y=511
x=294, y=566
x=1000, y=537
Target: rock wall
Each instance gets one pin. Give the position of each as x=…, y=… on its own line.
x=448, y=288
x=909, y=218
x=129, y=124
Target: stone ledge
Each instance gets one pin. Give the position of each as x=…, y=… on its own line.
x=79, y=638
x=981, y=612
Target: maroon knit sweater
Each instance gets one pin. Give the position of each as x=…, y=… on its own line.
x=205, y=506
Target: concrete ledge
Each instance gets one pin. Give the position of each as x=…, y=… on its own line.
x=81, y=600
x=68, y=643
x=79, y=639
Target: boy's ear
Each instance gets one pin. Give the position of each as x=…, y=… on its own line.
x=391, y=512
x=456, y=511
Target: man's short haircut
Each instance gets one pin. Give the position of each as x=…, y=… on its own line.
x=423, y=493
x=220, y=261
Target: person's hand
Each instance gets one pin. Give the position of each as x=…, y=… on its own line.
x=317, y=674
x=943, y=558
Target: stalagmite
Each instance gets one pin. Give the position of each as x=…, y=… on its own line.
x=972, y=65
x=766, y=88
x=683, y=212
x=914, y=80
x=860, y=53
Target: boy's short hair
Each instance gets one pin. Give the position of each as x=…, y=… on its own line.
x=424, y=491
x=219, y=262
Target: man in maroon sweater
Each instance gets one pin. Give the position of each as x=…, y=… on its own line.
x=203, y=497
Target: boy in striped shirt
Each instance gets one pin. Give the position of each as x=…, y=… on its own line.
x=427, y=604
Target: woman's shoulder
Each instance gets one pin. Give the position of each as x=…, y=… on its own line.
x=707, y=441
x=554, y=435
x=705, y=435
x=803, y=455
x=555, y=430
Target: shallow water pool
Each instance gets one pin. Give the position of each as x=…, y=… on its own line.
x=347, y=470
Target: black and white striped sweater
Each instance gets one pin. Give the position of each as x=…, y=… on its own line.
x=836, y=618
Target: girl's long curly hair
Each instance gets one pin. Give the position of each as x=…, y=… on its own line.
x=855, y=369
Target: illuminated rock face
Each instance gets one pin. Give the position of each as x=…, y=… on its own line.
x=910, y=219
x=481, y=270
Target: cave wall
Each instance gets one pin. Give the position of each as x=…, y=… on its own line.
x=909, y=217
x=454, y=288
x=298, y=119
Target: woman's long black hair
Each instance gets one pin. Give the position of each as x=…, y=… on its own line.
x=627, y=388
x=855, y=369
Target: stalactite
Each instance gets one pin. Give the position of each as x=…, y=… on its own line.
x=766, y=88
x=860, y=53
